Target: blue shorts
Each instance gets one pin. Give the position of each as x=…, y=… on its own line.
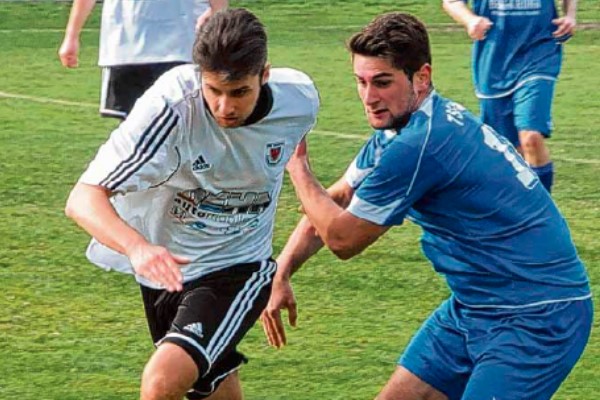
x=516, y=354
x=529, y=108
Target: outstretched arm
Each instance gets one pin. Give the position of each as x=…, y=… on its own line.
x=89, y=206
x=566, y=24
x=69, y=49
x=475, y=25
x=302, y=244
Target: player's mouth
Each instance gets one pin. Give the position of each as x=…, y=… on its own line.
x=228, y=121
x=378, y=113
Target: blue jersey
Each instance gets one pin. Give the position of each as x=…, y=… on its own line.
x=518, y=47
x=488, y=224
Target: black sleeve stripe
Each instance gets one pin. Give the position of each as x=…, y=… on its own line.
x=172, y=123
x=144, y=153
x=137, y=151
x=143, y=147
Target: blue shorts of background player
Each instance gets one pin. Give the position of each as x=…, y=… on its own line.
x=528, y=108
x=498, y=353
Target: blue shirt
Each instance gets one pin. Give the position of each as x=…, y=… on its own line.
x=518, y=47
x=488, y=224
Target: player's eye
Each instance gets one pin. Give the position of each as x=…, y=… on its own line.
x=382, y=84
x=240, y=92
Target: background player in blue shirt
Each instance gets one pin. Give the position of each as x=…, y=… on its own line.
x=520, y=312
x=517, y=57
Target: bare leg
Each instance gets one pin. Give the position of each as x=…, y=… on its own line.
x=229, y=389
x=169, y=374
x=404, y=385
x=533, y=147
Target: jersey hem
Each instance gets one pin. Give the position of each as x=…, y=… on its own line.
x=517, y=86
x=534, y=304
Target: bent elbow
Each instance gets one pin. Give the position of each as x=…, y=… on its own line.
x=71, y=209
x=342, y=250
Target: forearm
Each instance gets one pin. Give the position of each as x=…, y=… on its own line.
x=570, y=8
x=303, y=243
x=318, y=205
x=459, y=12
x=80, y=11
x=89, y=206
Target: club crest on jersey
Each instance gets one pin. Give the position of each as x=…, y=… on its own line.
x=274, y=153
x=200, y=165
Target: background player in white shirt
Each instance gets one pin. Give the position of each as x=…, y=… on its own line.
x=184, y=194
x=139, y=41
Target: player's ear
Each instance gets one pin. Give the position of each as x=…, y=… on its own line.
x=266, y=73
x=422, y=78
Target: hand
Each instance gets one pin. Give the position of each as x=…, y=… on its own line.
x=478, y=27
x=203, y=18
x=282, y=296
x=159, y=265
x=300, y=157
x=69, y=52
x=566, y=26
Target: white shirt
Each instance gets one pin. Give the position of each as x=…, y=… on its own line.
x=148, y=31
x=204, y=192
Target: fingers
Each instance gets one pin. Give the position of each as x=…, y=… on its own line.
x=68, y=59
x=566, y=26
x=478, y=28
x=293, y=314
x=166, y=275
x=160, y=266
x=273, y=328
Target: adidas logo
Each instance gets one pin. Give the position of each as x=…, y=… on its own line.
x=200, y=164
x=195, y=328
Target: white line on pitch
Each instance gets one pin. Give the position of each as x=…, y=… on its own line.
x=47, y=100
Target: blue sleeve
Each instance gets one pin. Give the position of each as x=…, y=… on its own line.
x=362, y=164
x=402, y=177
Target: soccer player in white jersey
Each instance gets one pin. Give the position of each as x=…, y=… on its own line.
x=139, y=41
x=183, y=195
x=520, y=310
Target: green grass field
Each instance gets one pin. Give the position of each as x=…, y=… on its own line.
x=69, y=331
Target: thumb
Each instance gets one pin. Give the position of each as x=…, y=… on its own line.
x=180, y=259
x=293, y=315
x=557, y=21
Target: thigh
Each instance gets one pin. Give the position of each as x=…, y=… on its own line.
x=533, y=106
x=214, y=315
x=437, y=354
x=498, y=113
x=527, y=356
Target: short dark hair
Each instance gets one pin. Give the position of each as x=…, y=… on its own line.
x=398, y=37
x=232, y=42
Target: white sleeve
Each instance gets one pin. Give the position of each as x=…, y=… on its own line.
x=142, y=152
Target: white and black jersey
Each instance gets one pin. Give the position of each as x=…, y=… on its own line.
x=204, y=192
x=148, y=31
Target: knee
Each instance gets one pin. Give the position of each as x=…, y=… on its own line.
x=155, y=386
x=531, y=141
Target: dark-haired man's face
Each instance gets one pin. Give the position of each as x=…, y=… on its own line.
x=388, y=96
x=231, y=102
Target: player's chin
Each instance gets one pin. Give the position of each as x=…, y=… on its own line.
x=230, y=122
x=379, y=123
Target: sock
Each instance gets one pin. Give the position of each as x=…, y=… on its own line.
x=546, y=175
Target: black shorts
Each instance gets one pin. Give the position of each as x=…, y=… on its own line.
x=122, y=85
x=210, y=317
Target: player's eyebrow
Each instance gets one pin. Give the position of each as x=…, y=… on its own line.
x=377, y=76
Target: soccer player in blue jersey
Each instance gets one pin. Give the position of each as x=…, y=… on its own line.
x=520, y=311
x=517, y=56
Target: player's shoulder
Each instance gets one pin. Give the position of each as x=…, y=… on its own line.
x=177, y=84
x=293, y=81
x=449, y=116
